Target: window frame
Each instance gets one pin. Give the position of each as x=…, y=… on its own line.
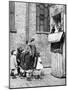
x=38, y=24
x=12, y=16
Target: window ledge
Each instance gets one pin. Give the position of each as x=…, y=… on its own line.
x=13, y=31
x=43, y=33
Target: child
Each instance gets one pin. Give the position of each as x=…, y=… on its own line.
x=39, y=64
x=13, y=64
x=39, y=68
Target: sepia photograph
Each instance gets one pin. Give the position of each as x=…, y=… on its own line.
x=37, y=44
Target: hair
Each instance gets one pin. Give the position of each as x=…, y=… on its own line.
x=12, y=52
x=19, y=49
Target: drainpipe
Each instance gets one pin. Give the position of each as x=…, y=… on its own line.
x=27, y=21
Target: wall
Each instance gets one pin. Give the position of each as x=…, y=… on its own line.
x=41, y=40
x=18, y=39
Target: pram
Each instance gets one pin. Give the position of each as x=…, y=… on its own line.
x=27, y=62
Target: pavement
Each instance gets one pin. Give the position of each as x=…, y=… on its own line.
x=47, y=80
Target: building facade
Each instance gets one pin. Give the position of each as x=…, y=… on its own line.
x=27, y=20
x=24, y=29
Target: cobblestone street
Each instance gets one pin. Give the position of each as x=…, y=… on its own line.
x=48, y=80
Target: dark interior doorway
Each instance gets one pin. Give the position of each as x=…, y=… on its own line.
x=57, y=18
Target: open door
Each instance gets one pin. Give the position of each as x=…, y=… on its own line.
x=57, y=23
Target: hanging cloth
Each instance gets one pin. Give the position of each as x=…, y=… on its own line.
x=55, y=37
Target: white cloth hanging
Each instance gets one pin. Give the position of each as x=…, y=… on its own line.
x=55, y=37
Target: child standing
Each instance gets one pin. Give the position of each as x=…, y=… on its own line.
x=39, y=64
x=13, y=64
x=39, y=68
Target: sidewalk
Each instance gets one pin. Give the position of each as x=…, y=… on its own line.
x=48, y=80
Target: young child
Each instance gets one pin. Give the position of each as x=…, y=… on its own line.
x=13, y=64
x=39, y=68
x=39, y=64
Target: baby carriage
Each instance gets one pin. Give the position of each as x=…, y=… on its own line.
x=27, y=61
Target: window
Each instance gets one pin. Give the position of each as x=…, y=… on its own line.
x=42, y=18
x=12, y=16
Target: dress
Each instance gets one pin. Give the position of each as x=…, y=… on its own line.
x=13, y=62
x=39, y=64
